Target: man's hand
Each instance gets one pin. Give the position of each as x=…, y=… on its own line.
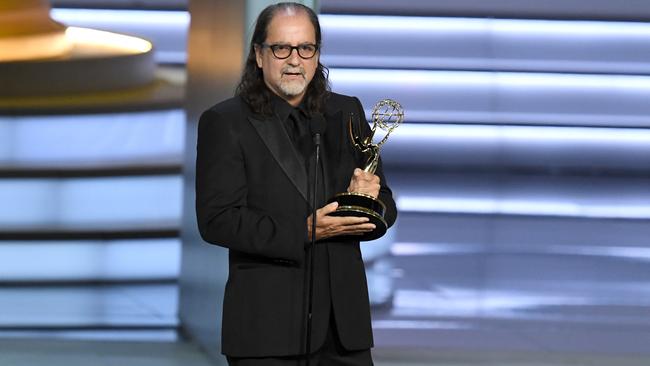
x=364, y=182
x=329, y=226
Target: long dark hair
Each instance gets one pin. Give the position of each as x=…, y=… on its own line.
x=251, y=86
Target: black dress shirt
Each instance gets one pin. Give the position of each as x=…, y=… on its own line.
x=296, y=123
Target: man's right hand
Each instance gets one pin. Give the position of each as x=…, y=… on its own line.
x=329, y=226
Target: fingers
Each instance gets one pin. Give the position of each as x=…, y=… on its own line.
x=356, y=229
x=348, y=224
x=348, y=220
x=359, y=174
x=346, y=230
x=360, y=229
x=342, y=220
x=329, y=226
x=327, y=209
x=364, y=182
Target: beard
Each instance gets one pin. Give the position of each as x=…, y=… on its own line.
x=292, y=88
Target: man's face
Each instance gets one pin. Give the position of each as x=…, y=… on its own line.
x=290, y=77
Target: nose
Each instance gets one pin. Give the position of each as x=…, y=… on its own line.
x=294, y=58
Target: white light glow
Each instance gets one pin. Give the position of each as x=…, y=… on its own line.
x=130, y=335
x=574, y=80
x=406, y=249
x=91, y=202
x=141, y=17
x=503, y=97
x=549, y=134
x=97, y=38
x=167, y=30
x=90, y=260
x=632, y=253
x=610, y=251
x=514, y=26
x=451, y=301
x=397, y=23
x=506, y=206
x=72, y=307
x=418, y=324
x=83, y=140
x=404, y=78
x=567, y=28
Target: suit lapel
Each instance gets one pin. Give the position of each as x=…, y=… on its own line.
x=276, y=140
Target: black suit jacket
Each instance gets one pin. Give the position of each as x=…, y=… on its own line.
x=251, y=197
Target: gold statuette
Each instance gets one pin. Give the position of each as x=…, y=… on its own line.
x=387, y=114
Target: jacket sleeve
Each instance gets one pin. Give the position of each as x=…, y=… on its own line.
x=385, y=193
x=223, y=215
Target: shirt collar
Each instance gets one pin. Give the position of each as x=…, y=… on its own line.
x=283, y=109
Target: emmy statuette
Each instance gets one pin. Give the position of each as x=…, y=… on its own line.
x=387, y=114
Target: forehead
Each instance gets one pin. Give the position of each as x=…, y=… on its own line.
x=291, y=27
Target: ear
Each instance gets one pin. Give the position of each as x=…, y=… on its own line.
x=258, y=56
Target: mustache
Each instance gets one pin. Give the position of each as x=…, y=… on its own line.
x=293, y=70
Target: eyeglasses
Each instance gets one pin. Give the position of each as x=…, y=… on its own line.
x=283, y=51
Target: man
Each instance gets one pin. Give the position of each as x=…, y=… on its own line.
x=254, y=162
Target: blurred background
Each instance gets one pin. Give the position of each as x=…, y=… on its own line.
x=522, y=176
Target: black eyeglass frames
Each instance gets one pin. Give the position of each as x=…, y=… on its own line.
x=283, y=51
